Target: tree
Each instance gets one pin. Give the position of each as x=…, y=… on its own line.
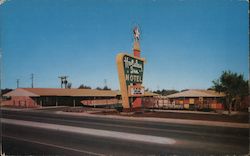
x=104, y=88
x=183, y=90
x=98, y=88
x=165, y=92
x=82, y=86
x=68, y=85
x=6, y=90
x=233, y=86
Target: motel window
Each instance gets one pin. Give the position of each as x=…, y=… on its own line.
x=7, y=98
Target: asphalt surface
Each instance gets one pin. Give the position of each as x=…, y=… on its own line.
x=189, y=140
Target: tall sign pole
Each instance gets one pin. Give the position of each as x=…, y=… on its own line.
x=130, y=72
x=137, y=103
x=136, y=48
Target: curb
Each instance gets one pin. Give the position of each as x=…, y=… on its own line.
x=184, y=112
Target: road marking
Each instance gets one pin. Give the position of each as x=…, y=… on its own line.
x=107, y=124
x=94, y=132
x=166, y=131
x=121, y=126
x=53, y=145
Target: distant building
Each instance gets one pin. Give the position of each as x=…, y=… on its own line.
x=197, y=99
x=39, y=97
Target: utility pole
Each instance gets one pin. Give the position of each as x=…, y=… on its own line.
x=63, y=81
x=105, y=83
x=32, y=80
x=17, y=83
x=158, y=87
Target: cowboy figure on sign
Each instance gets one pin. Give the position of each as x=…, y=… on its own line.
x=136, y=34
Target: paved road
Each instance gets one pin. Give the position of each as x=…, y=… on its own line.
x=46, y=133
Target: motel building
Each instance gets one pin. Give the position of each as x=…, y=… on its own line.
x=195, y=99
x=41, y=97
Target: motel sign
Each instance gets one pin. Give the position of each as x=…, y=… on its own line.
x=133, y=70
x=130, y=72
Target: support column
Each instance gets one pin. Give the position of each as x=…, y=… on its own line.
x=41, y=103
x=137, y=102
x=56, y=102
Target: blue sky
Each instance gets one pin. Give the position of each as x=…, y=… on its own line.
x=187, y=43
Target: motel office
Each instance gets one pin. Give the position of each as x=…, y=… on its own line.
x=198, y=99
x=38, y=97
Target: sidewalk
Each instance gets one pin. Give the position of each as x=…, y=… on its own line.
x=164, y=120
x=16, y=109
x=30, y=109
x=181, y=111
x=193, y=112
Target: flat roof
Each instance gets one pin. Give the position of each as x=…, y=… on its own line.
x=36, y=92
x=196, y=93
